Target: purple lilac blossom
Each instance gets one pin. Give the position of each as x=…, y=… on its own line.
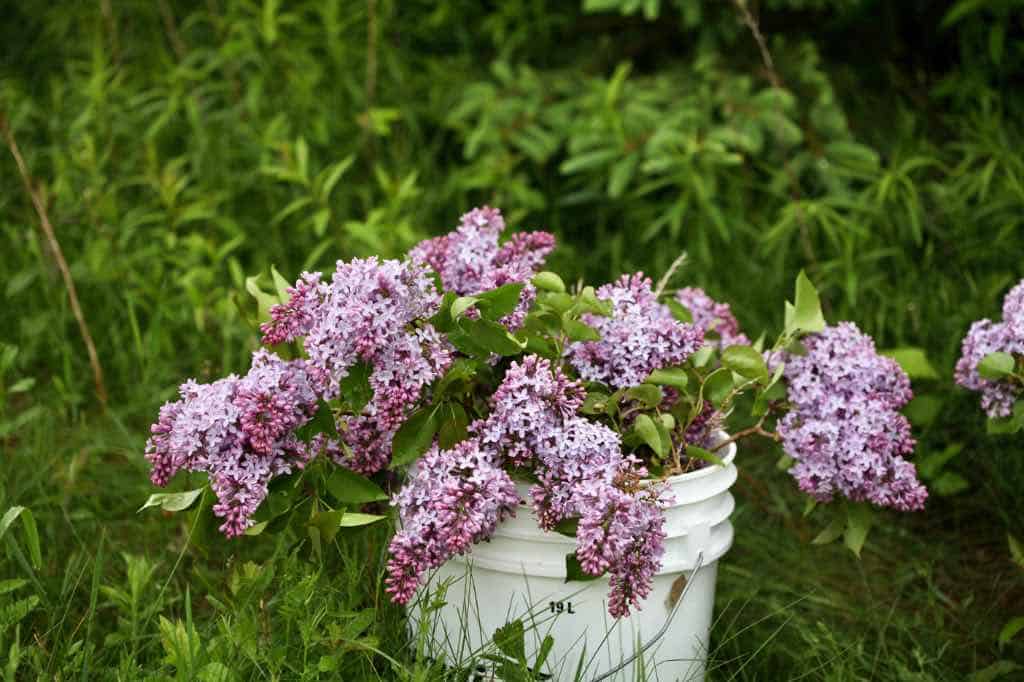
x=294, y=318
x=640, y=336
x=984, y=337
x=372, y=311
x=712, y=317
x=844, y=428
x=456, y=499
x=470, y=261
x=240, y=431
x=582, y=472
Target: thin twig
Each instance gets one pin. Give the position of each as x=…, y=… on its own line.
x=755, y=30
x=756, y=429
x=667, y=277
x=773, y=77
x=180, y=49
x=58, y=256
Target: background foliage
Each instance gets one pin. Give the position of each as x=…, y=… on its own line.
x=182, y=146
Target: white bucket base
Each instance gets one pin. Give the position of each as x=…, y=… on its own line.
x=520, y=574
x=575, y=614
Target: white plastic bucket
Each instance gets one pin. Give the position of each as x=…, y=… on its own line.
x=520, y=574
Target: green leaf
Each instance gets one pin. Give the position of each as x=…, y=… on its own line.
x=510, y=640
x=461, y=370
x=596, y=402
x=559, y=302
x=322, y=422
x=717, y=386
x=858, y=523
x=23, y=385
x=280, y=285
x=923, y=410
x=588, y=302
x=351, y=488
x=355, y=387
x=1010, y=630
x=574, y=571
x=442, y=319
x=679, y=311
x=497, y=303
x=548, y=281
x=414, y=436
x=996, y=366
x=929, y=464
x=702, y=356
x=913, y=361
x=454, y=425
x=831, y=532
x=1016, y=550
x=173, y=502
x=579, y=331
x=669, y=376
x=647, y=394
x=327, y=523
x=568, y=527
x=356, y=519
x=257, y=528
x=461, y=305
x=746, y=362
x=28, y=522
x=264, y=301
x=694, y=452
x=648, y=432
x=949, y=483
x=492, y=336
x=806, y=311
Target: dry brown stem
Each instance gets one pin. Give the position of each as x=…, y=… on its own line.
x=58, y=256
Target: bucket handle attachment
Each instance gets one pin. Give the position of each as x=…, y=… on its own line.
x=664, y=628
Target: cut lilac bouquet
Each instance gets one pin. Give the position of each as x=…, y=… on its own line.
x=466, y=367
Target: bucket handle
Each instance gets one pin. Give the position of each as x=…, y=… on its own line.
x=664, y=628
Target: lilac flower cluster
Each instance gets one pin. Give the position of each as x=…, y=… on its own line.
x=844, y=429
x=712, y=317
x=295, y=317
x=470, y=261
x=240, y=431
x=456, y=499
x=640, y=336
x=373, y=312
x=984, y=337
x=582, y=473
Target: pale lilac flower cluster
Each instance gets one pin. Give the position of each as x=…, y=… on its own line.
x=240, y=431
x=456, y=499
x=372, y=312
x=712, y=317
x=984, y=337
x=844, y=428
x=582, y=473
x=470, y=261
x=641, y=335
